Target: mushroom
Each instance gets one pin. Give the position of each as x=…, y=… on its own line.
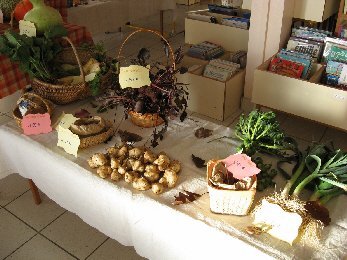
x=92, y=164
x=135, y=153
x=152, y=176
x=163, y=181
x=99, y=159
x=149, y=157
x=138, y=166
x=163, y=162
x=115, y=175
x=122, y=170
x=171, y=178
x=115, y=163
x=129, y=177
x=175, y=166
x=104, y=171
x=141, y=184
x=157, y=188
x=152, y=168
x=123, y=151
x=112, y=151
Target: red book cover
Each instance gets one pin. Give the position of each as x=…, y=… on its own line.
x=286, y=67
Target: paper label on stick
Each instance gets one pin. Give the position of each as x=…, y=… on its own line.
x=134, y=76
x=27, y=28
x=34, y=124
x=241, y=166
x=68, y=140
x=66, y=120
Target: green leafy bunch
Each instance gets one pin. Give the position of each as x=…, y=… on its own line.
x=34, y=55
x=259, y=131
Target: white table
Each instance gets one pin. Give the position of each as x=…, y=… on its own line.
x=150, y=223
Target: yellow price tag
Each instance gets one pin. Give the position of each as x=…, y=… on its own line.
x=27, y=28
x=68, y=140
x=134, y=76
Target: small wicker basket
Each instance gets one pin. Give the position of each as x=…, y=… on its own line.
x=64, y=94
x=89, y=141
x=231, y=202
x=145, y=120
x=36, y=98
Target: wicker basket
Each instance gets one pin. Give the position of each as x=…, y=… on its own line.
x=17, y=114
x=64, y=94
x=97, y=139
x=231, y=202
x=145, y=120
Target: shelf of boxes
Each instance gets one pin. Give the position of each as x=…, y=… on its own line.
x=315, y=10
x=305, y=98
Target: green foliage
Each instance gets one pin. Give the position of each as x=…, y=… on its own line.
x=259, y=131
x=266, y=175
x=33, y=54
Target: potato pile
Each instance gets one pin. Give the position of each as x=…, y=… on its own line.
x=137, y=166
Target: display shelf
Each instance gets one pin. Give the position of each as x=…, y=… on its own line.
x=305, y=98
x=342, y=16
x=187, y=2
x=315, y=10
x=210, y=97
x=230, y=38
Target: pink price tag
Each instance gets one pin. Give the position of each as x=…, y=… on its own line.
x=241, y=166
x=34, y=124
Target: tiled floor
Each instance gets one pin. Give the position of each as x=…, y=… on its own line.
x=48, y=231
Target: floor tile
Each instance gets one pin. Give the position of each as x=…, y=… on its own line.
x=39, y=248
x=13, y=233
x=339, y=138
x=12, y=187
x=111, y=249
x=75, y=236
x=302, y=128
x=37, y=216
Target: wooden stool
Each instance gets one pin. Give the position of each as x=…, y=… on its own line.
x=35, y=192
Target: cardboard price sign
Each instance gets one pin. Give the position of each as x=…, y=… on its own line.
x=27, y=28
x=241, y=166
x=34, y=124
x=68, y=140
x=134, y=76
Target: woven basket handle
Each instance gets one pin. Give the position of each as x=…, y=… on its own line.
x=77, y=58
x=149, y=31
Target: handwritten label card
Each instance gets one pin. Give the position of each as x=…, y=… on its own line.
x=241, y=166
x=68, y=140
x=134, y=76
x=66, y=120
x=35, y=124
x=27, y=28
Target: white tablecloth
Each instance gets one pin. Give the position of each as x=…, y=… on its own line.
x=150, y=223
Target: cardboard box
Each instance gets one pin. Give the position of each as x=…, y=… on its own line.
x=315, y=10
x=306, y=98
x=230, y=38
x=210, y=97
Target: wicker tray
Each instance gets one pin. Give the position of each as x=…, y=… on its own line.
x=17, y=114
x=97, y=139
x=145, y=120
x=231, y=202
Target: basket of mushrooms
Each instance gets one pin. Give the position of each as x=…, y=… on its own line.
x=137, y=166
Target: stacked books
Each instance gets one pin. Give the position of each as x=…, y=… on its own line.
x=205, y=51
x=238, y=22
x=291, y=64
x=335, y=54
x=308, y=41
x=221, y=70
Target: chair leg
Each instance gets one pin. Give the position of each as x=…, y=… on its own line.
x=35, y=192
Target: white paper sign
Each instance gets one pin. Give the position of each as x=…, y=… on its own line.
x=27, y=28
x=68, y=140
x=134, y=76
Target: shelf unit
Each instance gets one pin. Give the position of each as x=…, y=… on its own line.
x=342, y=16
x=315, y=10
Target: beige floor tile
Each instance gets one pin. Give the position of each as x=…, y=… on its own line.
x=12, y=187
x=75, y=236
x=37, y=216
x=339, y=138
x=111, y=249
x=13, y=233
x=39, y=248
x=302, y=128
